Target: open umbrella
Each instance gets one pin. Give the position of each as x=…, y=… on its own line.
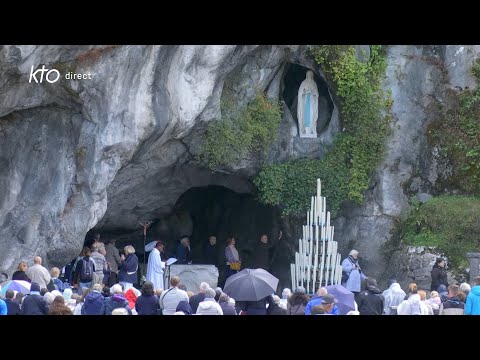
x=250, y=285
x=15, y=285
x=345, y=298
x=150, y=246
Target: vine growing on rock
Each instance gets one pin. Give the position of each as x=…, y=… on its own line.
x=448, y=222
x=456, y=133
x=345, y=169
x=241, y=132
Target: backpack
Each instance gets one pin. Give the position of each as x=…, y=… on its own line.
x=87, y=269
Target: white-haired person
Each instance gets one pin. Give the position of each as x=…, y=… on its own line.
x=393, y=296
x=274, y=306
x=127, y=276
x=466, y=288
x=286, y=293
x=114, y=301
x=209, y=306
x=352, y=274
x=224, y=302
x=198, y=298
x=120, y=311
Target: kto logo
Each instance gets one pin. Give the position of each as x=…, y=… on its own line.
x=51, y=75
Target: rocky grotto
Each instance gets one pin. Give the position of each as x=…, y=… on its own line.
x=122, y=146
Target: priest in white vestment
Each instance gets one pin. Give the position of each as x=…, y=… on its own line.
x=156, y=266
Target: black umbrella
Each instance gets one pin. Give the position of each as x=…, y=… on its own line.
x=250, y=285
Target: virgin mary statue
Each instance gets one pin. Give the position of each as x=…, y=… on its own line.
x=307, y=109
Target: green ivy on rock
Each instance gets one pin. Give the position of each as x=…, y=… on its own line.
x=241, y=131
x=345, y=169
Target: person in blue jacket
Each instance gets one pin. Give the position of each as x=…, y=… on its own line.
x=472, y=307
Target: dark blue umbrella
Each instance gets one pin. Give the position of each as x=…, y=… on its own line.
x=250, y=285
x=345, y=299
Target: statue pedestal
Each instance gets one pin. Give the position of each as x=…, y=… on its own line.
x=474, y=259
x=193, y=275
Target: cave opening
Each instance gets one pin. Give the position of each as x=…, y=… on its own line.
x=294, y=75
x=214, y=210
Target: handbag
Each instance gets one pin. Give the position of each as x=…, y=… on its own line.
x=235, y=266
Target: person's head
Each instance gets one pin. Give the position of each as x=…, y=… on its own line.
x=159, y=245
x=286, y=293
x=264, y=238
x=96, y=237
x=43, y=291
x=322, y=291
x=48, y=298
x=465, y=288
x=147, y=288
x=218, y=292
x=19, y=297
x=328, y=301
x=182, y=287
x=94, y=246
x=423, y=295
x=67, y=294
x=10, y=294
x=37, y=260
x=476, y=281
x=412, y=288
x=203, y=287
x=174, y=281
x=462, y=296
x=231, y=241
x=276, y=299
x=120, y=311
x=440, y=262
x=101, y=249
x=184, y=307
x=158, y=292
x=391, y=282
x=129, y=249
x=189, y=294
x=212, y=240
x=22, y=266
x=224, y=298
x=309, y=75
x=55, y=272
x=210, y=293
x=58, y=300
x=453, y=291
x=85, y=292
x=116, y=289
x=185, y=241
x=97, y=287
x=353, y=254
x=300, y=290
x=433, y=294
x=442, y=289
x=87, y=252
x=84, y=251
x=317, y=310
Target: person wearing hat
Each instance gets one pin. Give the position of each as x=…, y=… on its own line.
x=34, y=304
x=328, y=304
x=371, y=301
x=318, y=301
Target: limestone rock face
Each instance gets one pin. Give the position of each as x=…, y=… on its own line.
x=193, y=275
x=121, y=147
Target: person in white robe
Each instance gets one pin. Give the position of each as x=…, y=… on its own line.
x=156, y=266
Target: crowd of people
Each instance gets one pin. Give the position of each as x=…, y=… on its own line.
x=102, y=281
